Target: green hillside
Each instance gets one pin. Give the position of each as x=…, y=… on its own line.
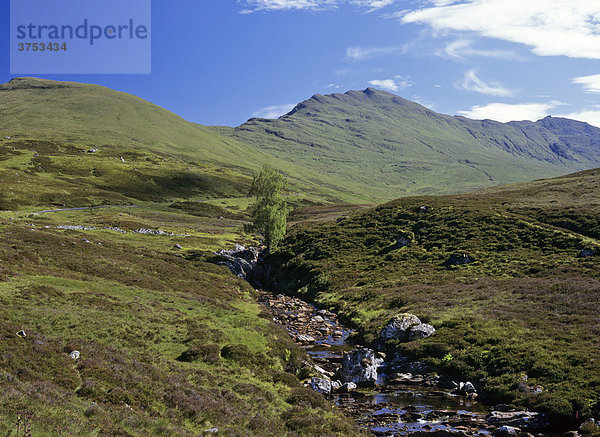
x=52, y=125
x=526, y=304
x=377, y=143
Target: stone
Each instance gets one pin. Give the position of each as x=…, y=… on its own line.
x=520, y=419
x=304, y=338
x=423, y=330
x=398, y=327
x=584, y=253
x=348, y=387
x=336, y=385
x=178, y=247
x=240, y=261
x=21, y=333
x=317, y=319
x=571, y=434
x=211, y=430
x=321, y=385
x=360, y=366
x=506, y=431
x=92, y=150
x=468, y=387
x=459, y=259
x=75, y=355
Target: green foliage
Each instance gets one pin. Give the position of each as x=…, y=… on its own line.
x=269, y=214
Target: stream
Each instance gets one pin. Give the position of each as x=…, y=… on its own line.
x=388, y=395
x=390, y=407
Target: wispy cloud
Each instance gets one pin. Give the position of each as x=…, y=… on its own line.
x=283, y=5
x=396, y=84
x=462, y=49
x=591, y=84
x=273, y=111
x=505, y=112
x=549, y=27
x=362, y=53
x=471, y=82
x=373, y=5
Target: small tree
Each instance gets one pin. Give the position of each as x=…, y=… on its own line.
x=269, y=215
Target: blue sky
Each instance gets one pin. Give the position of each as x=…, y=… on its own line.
x=224, y=61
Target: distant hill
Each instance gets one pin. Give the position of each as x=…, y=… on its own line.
x=46, y=128
x=358, y=147
x=378, y=143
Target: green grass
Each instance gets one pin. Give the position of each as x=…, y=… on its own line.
x=527, y=305
x=134, y=306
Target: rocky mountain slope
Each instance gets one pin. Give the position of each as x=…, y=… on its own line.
x=375, y=142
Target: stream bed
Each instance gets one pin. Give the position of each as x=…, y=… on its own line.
x=405, y=398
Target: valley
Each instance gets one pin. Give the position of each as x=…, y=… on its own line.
x=113, y=213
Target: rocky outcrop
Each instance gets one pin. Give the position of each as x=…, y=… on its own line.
x=406, y=327
x=240, y=261
x=360, y=366
x=507, y=431
x=321, y=385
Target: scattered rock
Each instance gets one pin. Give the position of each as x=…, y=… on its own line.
x=321, y=385
x=211, y=430
x=75, y=355
x=92, y=150
x=506, y=431
x=360, y=366
x=304, y=338
x=178, y=247
x=21, y=333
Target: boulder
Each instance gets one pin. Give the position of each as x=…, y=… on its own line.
x=398, y=327
x=506, y=431
x=360, y=366
x=321, y=385
x=422, y=330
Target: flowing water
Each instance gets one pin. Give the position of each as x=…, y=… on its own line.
x=386, y=408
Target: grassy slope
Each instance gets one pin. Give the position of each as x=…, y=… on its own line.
x=132, y=305
x=528, y=305
x=377, y=143
x=78, y=117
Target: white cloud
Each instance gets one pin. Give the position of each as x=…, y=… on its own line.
x=373, y=5
x=591, y=84
x=591, y=116
x=462, y=49
x=385, y=84
x=283, y=5
x=362, y=53
x=274, y=111
x=471, y=82
x=395, y=84
x=505, y=112
x=549, y=27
